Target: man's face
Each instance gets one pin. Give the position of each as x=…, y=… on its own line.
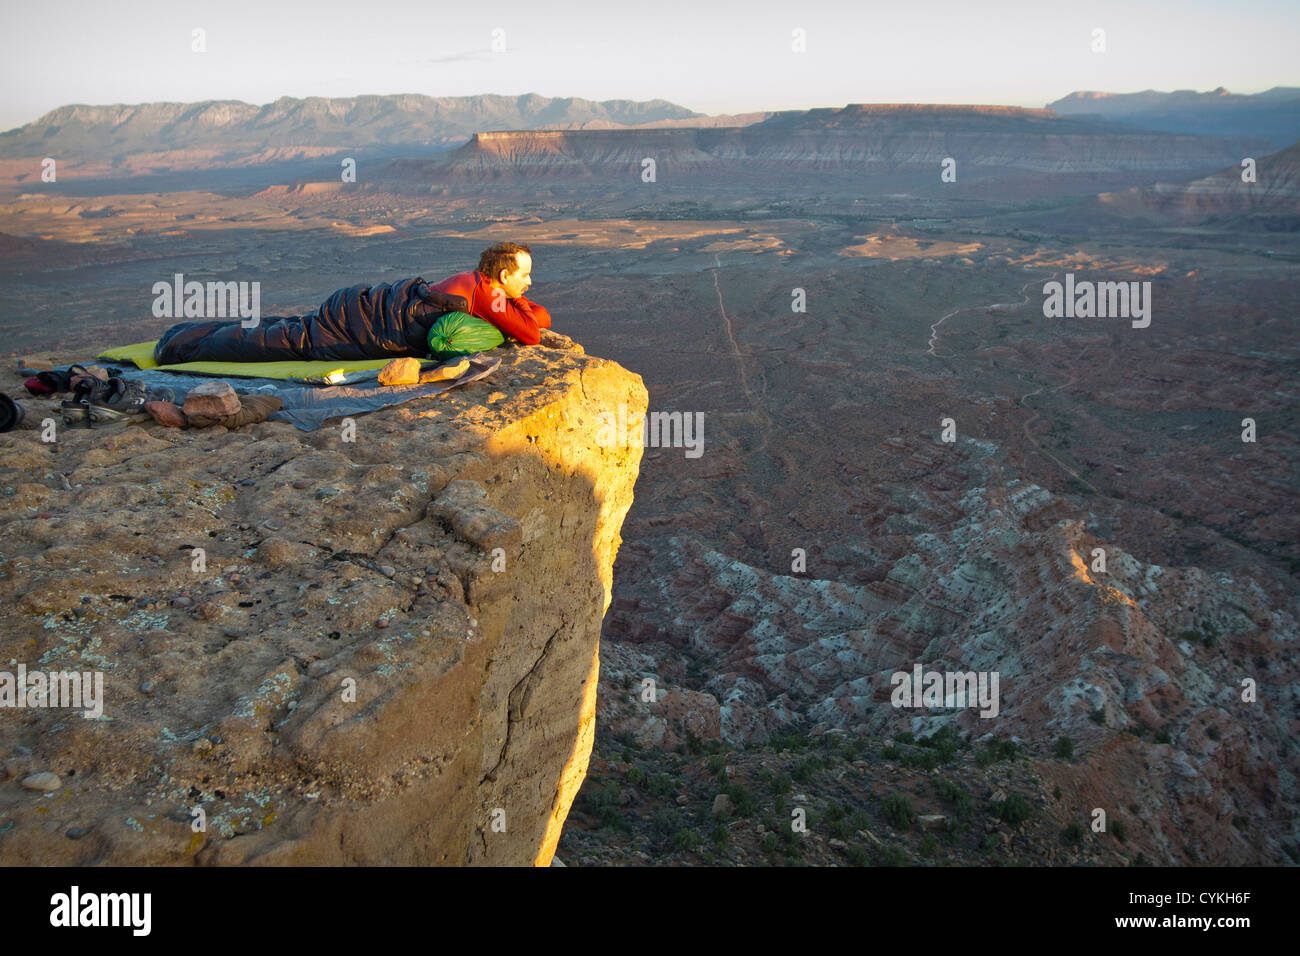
x=516, y=283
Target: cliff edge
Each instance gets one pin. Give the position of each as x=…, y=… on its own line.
x=315, y=648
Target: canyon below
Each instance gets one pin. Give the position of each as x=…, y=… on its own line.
x=902, y=460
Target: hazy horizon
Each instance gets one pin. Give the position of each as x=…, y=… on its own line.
x=710, y=61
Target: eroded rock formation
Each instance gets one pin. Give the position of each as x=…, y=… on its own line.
x=387, y=652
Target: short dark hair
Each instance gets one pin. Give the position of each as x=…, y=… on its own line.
x=500, y=256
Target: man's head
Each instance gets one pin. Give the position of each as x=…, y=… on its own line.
x=508, y=265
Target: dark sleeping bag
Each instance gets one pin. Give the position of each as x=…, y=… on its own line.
x=361, y=322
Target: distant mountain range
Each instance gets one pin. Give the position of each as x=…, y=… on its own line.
x=855, y=140
x=1083, y=131
x=1273, y=114
x=226, y=128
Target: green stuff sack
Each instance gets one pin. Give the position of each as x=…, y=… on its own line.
x=457, y=333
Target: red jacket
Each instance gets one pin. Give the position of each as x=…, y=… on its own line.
x=520, y=319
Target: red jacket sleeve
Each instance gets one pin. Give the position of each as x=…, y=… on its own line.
x=521, y=319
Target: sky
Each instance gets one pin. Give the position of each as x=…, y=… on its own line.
x=712, y=57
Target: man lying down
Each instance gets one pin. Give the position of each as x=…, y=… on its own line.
x=465, y=313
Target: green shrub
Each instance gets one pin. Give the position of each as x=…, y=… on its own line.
x=1056, y=792
x=1014, y=810
x=720, y=836
x=687, y=840
x=929, y=846
x=839, y=829
x=1163, y=736
x=891, y=856
x=1098, y=716
x=995, y=750
x=665, y=823
x=662, y=785
x=637, y=776
x=898, y=811
x=1073, y=834
x=858, y=855
x=717, y=764
x=742, y=800
x=906, y=737
x=992, y=842
x=1063, y=748
x=804, y=769
x=782, y=784
x=1119, y=830
x=959, y=797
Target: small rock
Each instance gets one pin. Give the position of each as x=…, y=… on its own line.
x=400, y=371
x=327, y=492
x=232, y=634
x=839, y=844
x=272, y=524
x=932, y=821
x=387, y=570
x=246, y=482
x=146, y=687
x=75, y=833
x=682, y=799
x=382, y=622
x=212, y=398
x=44, y=781
x=722, y=806
x=516, y=381
x=202, y=745
x=302, y=483
x=182, y=602
x=167, y=413
x=319, y=668
x=21, y=751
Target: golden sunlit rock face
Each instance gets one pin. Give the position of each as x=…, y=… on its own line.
x=449, y=570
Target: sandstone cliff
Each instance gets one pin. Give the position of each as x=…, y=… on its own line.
x=388, y=656
x=855, y=140
x=1273, y=196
